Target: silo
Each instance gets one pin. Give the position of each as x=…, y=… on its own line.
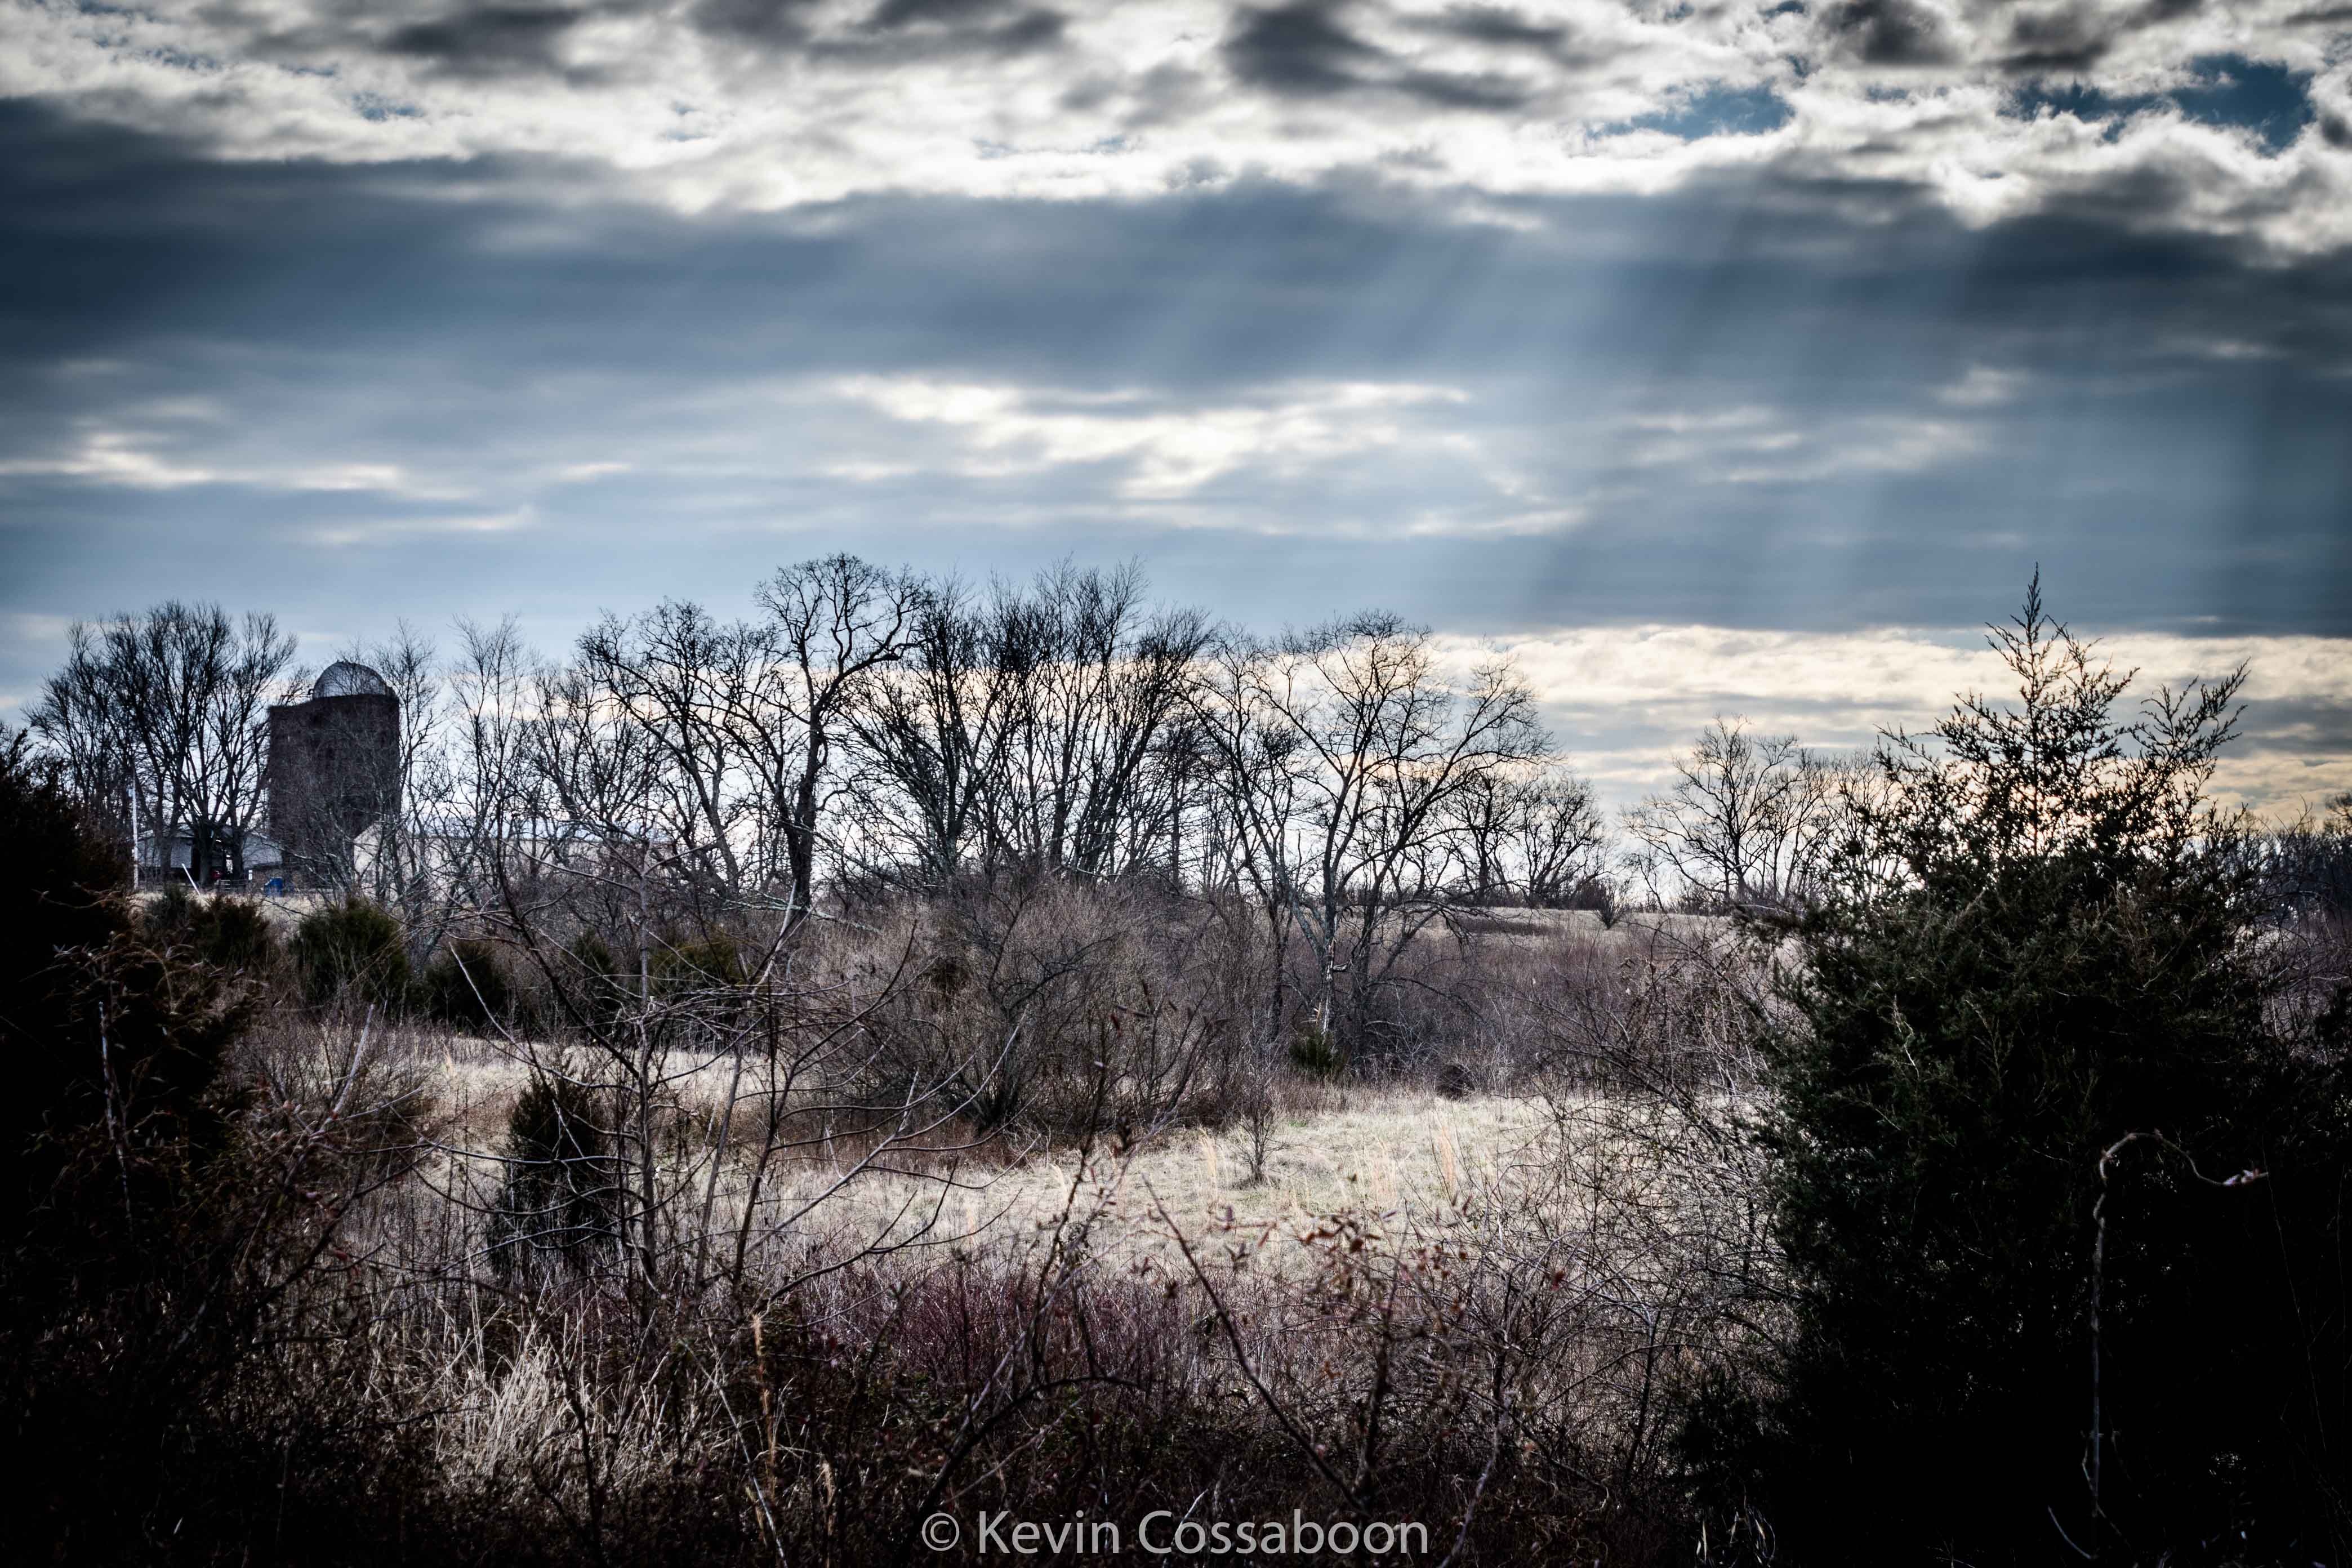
x=334, y=770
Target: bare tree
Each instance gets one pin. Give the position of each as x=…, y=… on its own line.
x=1028, y=728
x=1254, y=814
x=689, y=683
x=930, y=737
x=492, y=782
x=1745, y=822
x=1533, y=835
x=1100, y=680
x=1562, y=841
x=83, y=729
x=832, y=624
x=172, y=705
x=1356, y=749
x=403, y=872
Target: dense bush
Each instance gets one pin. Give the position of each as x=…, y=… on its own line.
x=1057, y=1007
x=467, y=985
x=164, y=1224
x=1315, y=1052
x=2024, y=1060
x=352, y=950
x=586, y=989
x=558, y=1200
x=110, y=1044
x=223, y=932
x=705, y=961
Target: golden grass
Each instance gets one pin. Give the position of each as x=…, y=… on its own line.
x=1396, y=1154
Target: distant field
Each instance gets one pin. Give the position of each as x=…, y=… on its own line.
x=1400, y=1152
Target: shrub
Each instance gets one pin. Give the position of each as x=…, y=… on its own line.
x=558, y=1198
x=697, y=964
x=467, y=985
x=353, y=949
x=2035, y=947
x=154, y=1243
x=1315, y=1052
x=1062, y=1009
x=225, y=932
x=587, y=983
x=108, y=1040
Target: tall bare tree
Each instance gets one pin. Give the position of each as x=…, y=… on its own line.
x=171, y=705
x=831, y=624
x=1746, y=821
x=1254, y=817
x=930, y=738
x=1101, y=680
x=1358, y=747
x=1534, y=835
x=687, y=682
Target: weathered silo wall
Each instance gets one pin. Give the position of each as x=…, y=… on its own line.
x=334, y=769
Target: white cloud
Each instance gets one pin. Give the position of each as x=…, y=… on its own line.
x=1756, y=445
x=1627, y=699
x=1984, y=386
x=384, y=531
x=113, y=457
x=1139, y=99
x=134, y=460
x=1168, y=453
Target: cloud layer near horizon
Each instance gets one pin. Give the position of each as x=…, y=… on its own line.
x=1625, y=700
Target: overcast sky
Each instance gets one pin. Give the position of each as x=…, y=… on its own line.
x=1717, y=358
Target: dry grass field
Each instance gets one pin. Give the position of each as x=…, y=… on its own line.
x=1397, y=1153
x=1438, y=1262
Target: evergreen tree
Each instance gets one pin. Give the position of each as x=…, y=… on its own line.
x=2038, y=944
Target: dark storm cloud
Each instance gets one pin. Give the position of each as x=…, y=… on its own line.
x=772, y=25
x=2076, y=36
x=902, y=31
x=1300, y=48
x=490, y=41
x=1501, y=25
x=893, y=14
x=1305, y=50
x=1893, y=32
x=475, y=44
x=893, y=32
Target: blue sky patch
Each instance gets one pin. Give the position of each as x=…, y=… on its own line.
x=1714, y=110
x=2233, y=90
x=2230, y=92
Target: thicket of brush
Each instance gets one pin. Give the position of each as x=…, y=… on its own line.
x=1987, y=1206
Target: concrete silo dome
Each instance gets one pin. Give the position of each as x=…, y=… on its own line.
x=344, y=678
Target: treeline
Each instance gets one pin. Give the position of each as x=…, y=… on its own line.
x=868, y=733
x=873, y=733
x=870, y=727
